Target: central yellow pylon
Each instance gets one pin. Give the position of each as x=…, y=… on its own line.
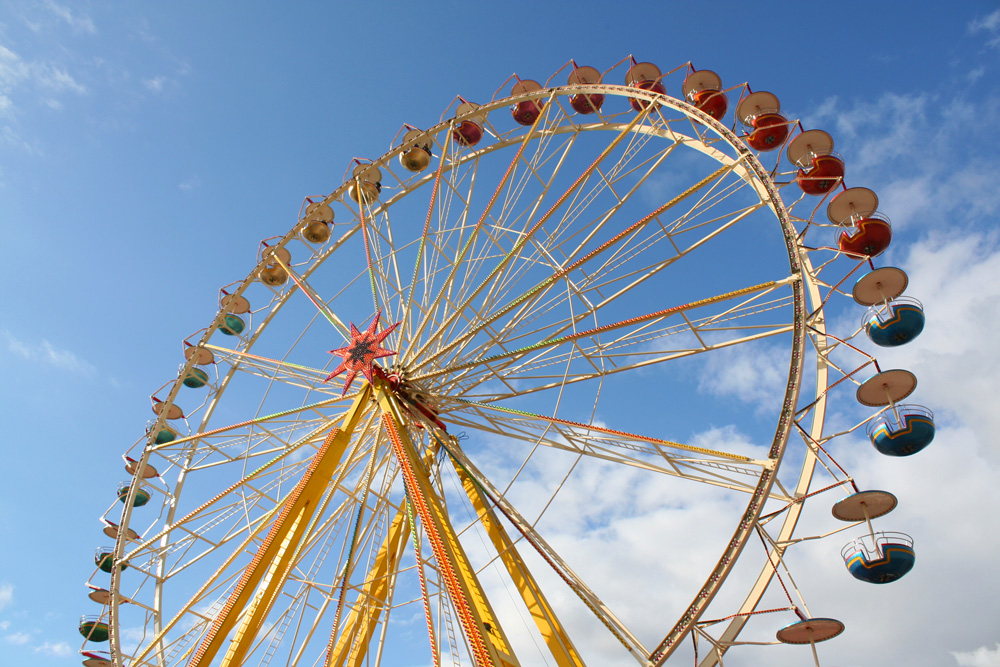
x=352, y=646
x=552, y=631
x=489, y=644
x=259, y=585
x=258, y=588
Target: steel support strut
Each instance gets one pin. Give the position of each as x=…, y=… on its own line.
x=489, y=644
x=259, y=585
x=552, y=631
x=352, y=646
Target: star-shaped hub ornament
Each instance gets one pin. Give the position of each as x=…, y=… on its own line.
x=361, y=352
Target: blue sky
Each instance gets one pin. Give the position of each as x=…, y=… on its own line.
x=145, y=149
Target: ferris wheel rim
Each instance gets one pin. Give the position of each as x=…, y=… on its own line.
x=795, y=259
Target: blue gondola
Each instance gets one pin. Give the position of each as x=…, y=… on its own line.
x=911, y=432
x=894, y=323
x=879, y=558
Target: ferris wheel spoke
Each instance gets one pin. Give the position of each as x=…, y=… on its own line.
x=226, y=577
x=275, y=370
x=502, y=264
x=632, y=342
x=510, y=280
x=448, y=236
x=218, y=520
x=542, y=247
x=507, y=280
x=529, y=297
x=273, y=558
x=543, y=382
x=733, y=471
x=410, y=301
x=373, y=598
x=312, y=296
x=335, y=529
x=638, y=346
x=654, y=316
x=477, y=618
x=310, y=537
x=605, y=276
x=468, y=246
x=553, y=632
x=589, y=284
x=188, y=609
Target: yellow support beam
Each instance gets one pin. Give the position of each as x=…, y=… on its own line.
x=489, y=644
x=552, y=631
x=273, y=562
x=352, y=646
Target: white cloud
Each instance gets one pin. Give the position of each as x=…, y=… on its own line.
x=989, y=24
x=12, y=69
x=10, y=137
x=957, y=278
x=192, y=183
x=17, y=638
x=903, y=137
x=4, y=625
x=906, y=619
x=753, y=374
x=981, y=657
x=155, y=84
x=640, y=540
x=885, y=142
x=132, y=637
x=6, y=596
x=17, y=73
x=79, y=23
x=896, y=145
x=959, y=282
x=59, y=650
x=57, y=79
x=46, y=353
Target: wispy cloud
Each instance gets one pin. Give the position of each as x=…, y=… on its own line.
x=18, y=638
x=957, y=280
x=59, y=650
x=887, y=140
x=6, y=597
x=192, y=183
x=990, y=24
x=16, y=73
x=155, y=84
x=754, y=374
x=11, y=137
x=46, y=353
x=78, y=22
x=57, y=79
x=13, y=70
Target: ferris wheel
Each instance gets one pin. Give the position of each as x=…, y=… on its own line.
x=458, y=412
